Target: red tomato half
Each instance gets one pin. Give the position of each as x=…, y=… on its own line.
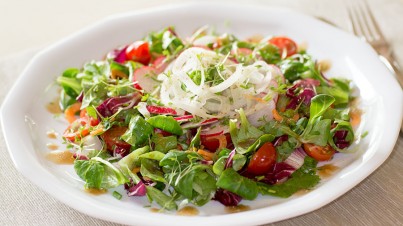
x=285, y=45
x=263, y=160
x=212, y=144
x=139, y=51
x=318, y=152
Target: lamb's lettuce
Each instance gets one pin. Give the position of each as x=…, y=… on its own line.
x=317, y=130
x=99, y=173
x=244, y=136
x=139, y=131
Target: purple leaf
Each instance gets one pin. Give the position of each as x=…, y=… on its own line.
x=280, y=140
x=111, y=105
x=341, y=134
x=228, y=162
x=303, y=90
x=118, y=55
x=306, y=95
x=339, y=139
x=80, y=156
x=227, y=198
x=282, y=170
x=120, y=151
x=137, y=190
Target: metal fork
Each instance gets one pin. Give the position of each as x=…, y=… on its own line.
x=364, y=26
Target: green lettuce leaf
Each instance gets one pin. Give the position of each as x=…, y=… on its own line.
x=245, y=136
x=230, y=180
x=138, y=132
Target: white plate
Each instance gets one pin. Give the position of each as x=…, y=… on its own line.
x=25, y=120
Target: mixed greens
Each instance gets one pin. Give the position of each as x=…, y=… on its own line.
x=209, y=117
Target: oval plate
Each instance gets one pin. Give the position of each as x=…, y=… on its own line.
x=25, y=120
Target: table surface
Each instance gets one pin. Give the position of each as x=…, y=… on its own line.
x=27, y=26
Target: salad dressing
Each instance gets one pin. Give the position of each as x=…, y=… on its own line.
x=237, y=209
x=94, y=191
x=327, y=170
x=301, y=192
x=52, y=146
x=154, y=210
x=355, y=117
x=324, y=65
x=51, y=134
x=188, y=211
x=53, y=107
x=60, y=157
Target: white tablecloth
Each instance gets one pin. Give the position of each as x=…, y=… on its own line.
x=378, y=200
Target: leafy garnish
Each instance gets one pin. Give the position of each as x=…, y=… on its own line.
x=304, y=178
x=139, y=131
x=230, y=180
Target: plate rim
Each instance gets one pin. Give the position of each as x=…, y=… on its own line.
x=310, y=206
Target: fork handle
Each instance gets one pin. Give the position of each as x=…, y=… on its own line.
x=390, y=61
x=393, y=66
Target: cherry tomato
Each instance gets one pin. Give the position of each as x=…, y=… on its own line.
x=263, y=160
x=320, y=153
x=212, y=144
x=112, y=138
x=285, y=45
x=139, y=51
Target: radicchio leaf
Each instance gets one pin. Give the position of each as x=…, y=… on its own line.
x=280, y=140
x=118, y=55
x=339, y=139
x=303, y=90
x=121, y=151
x=137, y=190
x=282, y=170
x=228, y=162
x=111, y=105
x=227, y=198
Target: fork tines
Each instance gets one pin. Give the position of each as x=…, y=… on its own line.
x=362, y=21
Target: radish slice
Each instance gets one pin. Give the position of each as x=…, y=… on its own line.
x=211, y=133
x=209, y=121
x=160, y=64
x=212, y=130
x=145, y=78
x=184, y=118
x=159, y=110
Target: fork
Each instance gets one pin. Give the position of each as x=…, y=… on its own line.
x=364, y=26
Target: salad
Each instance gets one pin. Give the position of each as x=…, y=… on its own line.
x=208, y=117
